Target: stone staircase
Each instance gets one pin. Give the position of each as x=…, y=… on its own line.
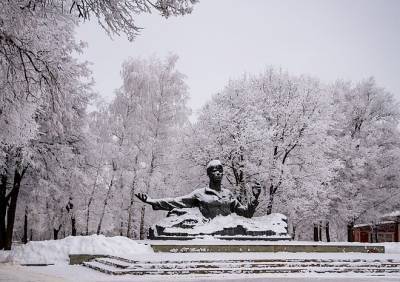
x=121, y=266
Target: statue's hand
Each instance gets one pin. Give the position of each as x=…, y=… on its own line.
x=256, y=189
x=143, y=197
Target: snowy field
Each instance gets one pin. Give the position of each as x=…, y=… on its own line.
x=56, y=252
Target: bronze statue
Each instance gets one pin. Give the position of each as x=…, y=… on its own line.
x=214, y=211
x=211, y=201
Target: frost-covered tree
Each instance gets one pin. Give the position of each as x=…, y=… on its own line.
x=226, y=130
x=270, y=129
x=367, y=145
x=117, y=16
x=43, y=99
x=137, y=133
x=43, y=94
x=156, y=94
x=294, y=133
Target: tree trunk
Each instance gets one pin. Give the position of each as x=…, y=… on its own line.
x=320, y=231
x=316, y=239
x=87, y=219
x=270, y=202
x=73, y=225
x=130, y=211
x=350, y=232
x=327, y=233
x=142, y=232
x=91, y=200
x=25, y=236
x=293, y=232
x=70, y=210
x=3, y=210
x=105, y=203
x=375, y=233
x=129, y=225
x=56, y=232
x=13, y=207
x=121, y=219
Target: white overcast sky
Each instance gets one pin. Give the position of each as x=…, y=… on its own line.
x=222, y=39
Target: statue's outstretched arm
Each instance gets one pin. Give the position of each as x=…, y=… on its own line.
x=187, y=201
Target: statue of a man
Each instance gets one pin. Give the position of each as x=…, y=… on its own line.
x=211, y=201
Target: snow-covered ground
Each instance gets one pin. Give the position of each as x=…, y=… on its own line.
x=57, y=252
x=58, y=273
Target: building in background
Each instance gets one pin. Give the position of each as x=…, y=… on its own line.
x=386, y=230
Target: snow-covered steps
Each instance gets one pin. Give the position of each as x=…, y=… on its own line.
x=120, y=266
x=291, y=248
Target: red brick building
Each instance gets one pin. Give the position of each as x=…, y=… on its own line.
x=387, y=230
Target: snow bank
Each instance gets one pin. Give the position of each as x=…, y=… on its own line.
x=3, y=256
x=57, y=251
x=391, y=247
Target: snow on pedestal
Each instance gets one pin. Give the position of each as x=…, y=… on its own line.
x=192, y=223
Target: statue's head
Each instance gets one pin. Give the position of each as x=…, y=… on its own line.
x=215, y=170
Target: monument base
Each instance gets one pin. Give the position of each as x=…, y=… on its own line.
x=290, y=247
x=192, y=225
x=219, y=237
